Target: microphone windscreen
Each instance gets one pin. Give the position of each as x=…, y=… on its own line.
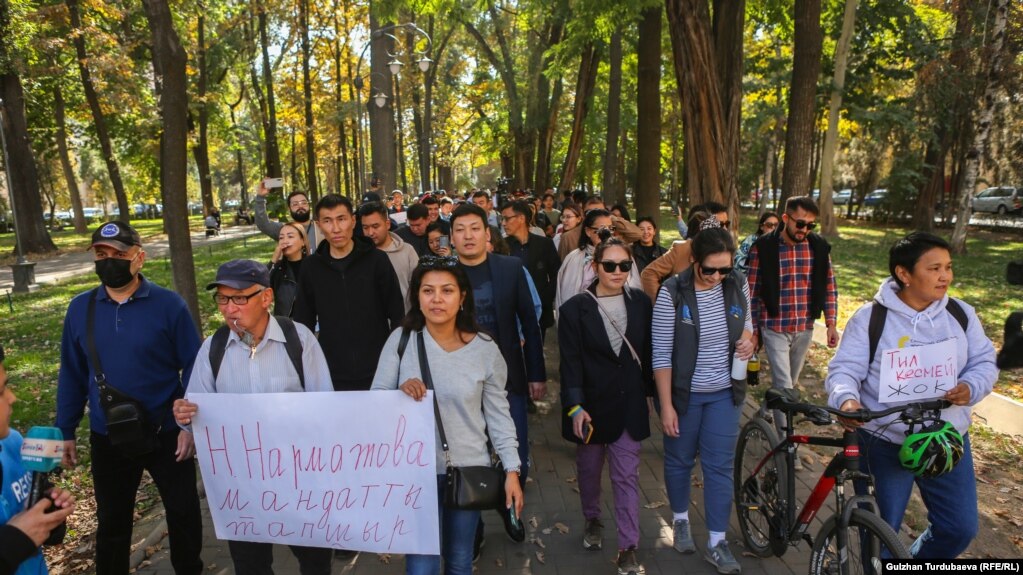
x=42, y=449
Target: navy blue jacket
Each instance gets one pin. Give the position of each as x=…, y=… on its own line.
x=146, y=345
x=512, y=301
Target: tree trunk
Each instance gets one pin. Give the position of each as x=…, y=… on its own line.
x=344, y=169
x=98, y=119
x=312, y=187
x=381, y=120
x=995, y=55
x=829, y=225
x=545, y=139
x=242, y=186
x=729, y=21
x=806, y=68
x=24, y=175
x=78, y=215
x=614, y=116
x=934, y=172
x=584, y=85
x=273, y=149
x=400, y=144
x=202, y=150
x=169, y=63
x=647, y=195
x=620, y=182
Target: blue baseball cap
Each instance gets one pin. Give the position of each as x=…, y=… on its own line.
x=240, y=274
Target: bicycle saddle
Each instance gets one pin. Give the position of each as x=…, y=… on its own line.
x=781, y=398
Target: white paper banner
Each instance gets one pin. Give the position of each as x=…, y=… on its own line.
x=918, y=373
x=353, y=470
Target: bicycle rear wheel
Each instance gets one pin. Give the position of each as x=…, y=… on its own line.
x=871, y=540
x=759, y=493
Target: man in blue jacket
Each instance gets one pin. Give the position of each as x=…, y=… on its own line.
x=145, y=342
x=23, y=531
x=502, y=296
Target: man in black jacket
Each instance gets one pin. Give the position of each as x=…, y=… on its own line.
x=414, y=230
x=538, y=255
x=350, y=290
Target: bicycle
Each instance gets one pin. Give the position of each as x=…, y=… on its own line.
x=765, y=488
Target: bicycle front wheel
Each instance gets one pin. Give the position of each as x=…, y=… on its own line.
x=871, y=541
x=759, y=493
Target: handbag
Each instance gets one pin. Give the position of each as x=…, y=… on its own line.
x=128, y=428
x=475, y=487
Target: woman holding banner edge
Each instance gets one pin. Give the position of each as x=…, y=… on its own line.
x=917, y=312
x=469, y=372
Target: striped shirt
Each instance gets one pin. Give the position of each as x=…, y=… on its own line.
x=795, y=266
x=713, y=362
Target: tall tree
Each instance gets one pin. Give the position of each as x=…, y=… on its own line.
x=995, y=55
x=169, y=63
x=829, y=226
x=614, y=117
x=589, y=61
x=806, y=68
x=98, y=118
x=273, y=148
x=201, y=151
x=307, y=99
x=381, y=119
x=648, y=114
x=59, y=116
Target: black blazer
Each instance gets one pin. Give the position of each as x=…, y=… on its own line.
x=611, y=387
x=542, y=263
x=512, y=301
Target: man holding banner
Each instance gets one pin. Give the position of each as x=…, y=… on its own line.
x=256, y=353
x=918, y=344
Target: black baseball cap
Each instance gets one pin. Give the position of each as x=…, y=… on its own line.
x=117, y=235
x=240, y=274
x=370, y=197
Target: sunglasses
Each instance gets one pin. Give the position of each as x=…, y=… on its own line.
x=769, y=225
x=438, y=262
x=800, y=224
x=711, y=271
x=243, y=299
x=609, y=266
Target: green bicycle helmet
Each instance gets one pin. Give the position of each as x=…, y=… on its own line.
x=934, y=450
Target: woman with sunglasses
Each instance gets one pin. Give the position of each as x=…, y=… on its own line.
x=577, y=271
x=768, y=223
x=701, y=320
x=605, y=381
x=285, y=265
x=570, y=218
x=468, y=372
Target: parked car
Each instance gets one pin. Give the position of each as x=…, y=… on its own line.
x=1001, y=200
x=842, y=197
x=875, y=198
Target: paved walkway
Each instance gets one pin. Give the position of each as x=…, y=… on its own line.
x=552, y=500
x=78, y=262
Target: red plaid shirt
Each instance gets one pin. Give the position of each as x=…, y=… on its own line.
x=795, y=264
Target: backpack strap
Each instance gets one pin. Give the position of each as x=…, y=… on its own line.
x=879, y=313
x=403, y=343
x=292, y=344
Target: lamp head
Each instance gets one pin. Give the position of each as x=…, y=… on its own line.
x=395, y=66
x=424, y=63
x=380, y=99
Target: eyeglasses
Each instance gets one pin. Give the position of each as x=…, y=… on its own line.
x=711, y=271
x=508, y=218
x=438, y=262
x=609, y=266
x=300, y=204
x=800, y=224
x=242, y=299
x=769, y=225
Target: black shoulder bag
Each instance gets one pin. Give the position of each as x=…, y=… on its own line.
x=470, y=487
x=128, y=429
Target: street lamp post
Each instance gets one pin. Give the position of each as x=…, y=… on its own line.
x=22, y=270
x=394, y=65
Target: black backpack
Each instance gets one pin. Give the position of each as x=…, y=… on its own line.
x=879, y=314
x=291, y=343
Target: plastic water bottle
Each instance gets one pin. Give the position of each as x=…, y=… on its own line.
x=738, y=367
x=753, y=371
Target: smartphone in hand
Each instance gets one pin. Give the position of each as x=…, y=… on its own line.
x=271, y=183
x=587, y=432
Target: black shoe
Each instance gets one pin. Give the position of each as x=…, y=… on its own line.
x=478, y=543
x=516, y=531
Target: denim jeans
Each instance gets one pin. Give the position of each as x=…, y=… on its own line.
x=518, y=405
x=950, y=499
x=623, y=463
x=457, y=530
x=709, y=426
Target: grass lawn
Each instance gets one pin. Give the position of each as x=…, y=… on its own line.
x=860, y=259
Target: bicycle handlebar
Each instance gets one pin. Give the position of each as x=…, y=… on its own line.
x=821, y=414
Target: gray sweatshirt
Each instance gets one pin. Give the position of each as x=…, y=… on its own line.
x=470, y=391
x=850, y=377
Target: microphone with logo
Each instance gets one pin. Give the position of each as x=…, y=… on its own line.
x=41, y=453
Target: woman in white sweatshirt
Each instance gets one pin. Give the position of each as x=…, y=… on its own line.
x=919, y=313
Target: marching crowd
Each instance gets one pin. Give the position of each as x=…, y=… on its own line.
x=457, y=295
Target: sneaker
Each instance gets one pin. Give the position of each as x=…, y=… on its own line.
x=593, y=538
x=627, y=562
x=683, y=538
x=478, y=542
x=721, y=557
x=797, y=464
